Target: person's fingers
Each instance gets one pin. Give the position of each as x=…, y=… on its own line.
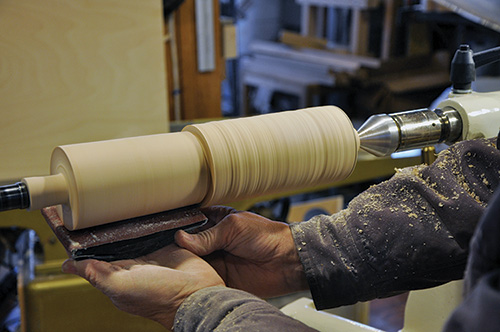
x=171, y=257
x=96, y=272
x=206, y=242
x=69, y=266
x=216, y=213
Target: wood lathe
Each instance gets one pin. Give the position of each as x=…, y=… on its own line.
x=121, y=181
x=94, y=184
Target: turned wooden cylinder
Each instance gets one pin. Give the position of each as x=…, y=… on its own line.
x=211, y=163
x=119, y=179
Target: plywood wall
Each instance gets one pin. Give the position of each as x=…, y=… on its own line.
x=75, y=71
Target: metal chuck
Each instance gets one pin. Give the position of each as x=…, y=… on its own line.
x=384, y=134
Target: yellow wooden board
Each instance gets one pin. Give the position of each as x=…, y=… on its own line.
x=56, y=302
x=306, y=210
x=75, y=71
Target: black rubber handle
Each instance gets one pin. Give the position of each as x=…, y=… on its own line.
x=464, y=64
x=487, y=57
x=14, y=196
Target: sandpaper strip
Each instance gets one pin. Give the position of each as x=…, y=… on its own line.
x=126, y=239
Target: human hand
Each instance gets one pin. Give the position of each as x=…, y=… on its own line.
x=250, y=252
x=153, y=286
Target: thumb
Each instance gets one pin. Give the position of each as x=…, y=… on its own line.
x=206, y=242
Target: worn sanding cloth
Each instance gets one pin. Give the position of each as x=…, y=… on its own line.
x=125, y=239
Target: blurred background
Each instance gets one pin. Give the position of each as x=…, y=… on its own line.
x=78, y=71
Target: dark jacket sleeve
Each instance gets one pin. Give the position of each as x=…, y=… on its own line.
x=480, y=308
x=231, y=310
x=409, y=232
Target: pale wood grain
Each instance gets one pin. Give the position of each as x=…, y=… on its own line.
x=75, y=71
